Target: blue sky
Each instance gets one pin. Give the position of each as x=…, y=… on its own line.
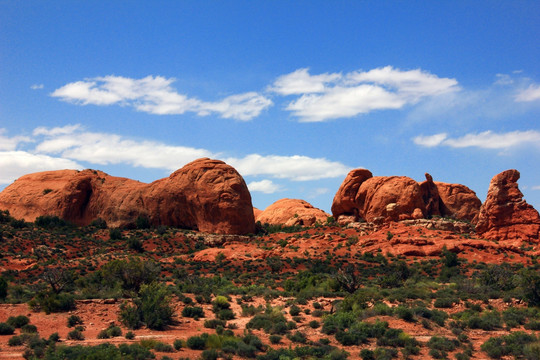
x=293, y=94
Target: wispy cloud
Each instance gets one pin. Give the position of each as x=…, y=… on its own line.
x=295, y=167
x=265, y=186
x=531, y=93
x=536, y=187
x=67, y=146
x=330, y=96
x=155, y=95
x=10, y=143
x=37, y=86
x=485, y=140
x=14, y=164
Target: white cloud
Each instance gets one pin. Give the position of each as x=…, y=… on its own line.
x=301, y=82
x=265, y=186
x=531, y=93
x=73, y=144
x=37, y=86
x=155, y=95
x=485, y=140
x=10, y=143
x=536, y=187
x=104, y=149
x=331, y=96
x=14, y=164
x=296, y=167
x=431, y=140
x=64, y=130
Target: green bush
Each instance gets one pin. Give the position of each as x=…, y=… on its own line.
x=130, y=335
x=6, y=329
x=275, y=339
x=15, y=341
x=151, y=308
x=513, y=344
x=75, y=335
x=51, y=302
x=196, y=343
x=74, y=320
x=29, y=328
x=178, y=344
x=18, y=321
x=195, y=312
x=3, y=287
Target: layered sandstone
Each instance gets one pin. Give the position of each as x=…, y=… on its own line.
x=505, y=215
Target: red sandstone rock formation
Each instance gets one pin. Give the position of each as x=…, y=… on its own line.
x=206, y=195
x=345, y=199
x=458, y=201
x=449, y=200
x=291, y=212
x=390, y=197
x=505, y=215
x=398, y=198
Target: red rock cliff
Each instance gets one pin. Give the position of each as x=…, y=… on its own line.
x=207, y=195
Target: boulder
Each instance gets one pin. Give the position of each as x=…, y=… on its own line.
x=458, y=202
x=206, y=195
x=345, y=199
x=505, y=215
x=291, y=212
x=393, y=198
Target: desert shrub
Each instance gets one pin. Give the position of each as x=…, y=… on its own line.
x=115, y=234
x=50, y=222
x=99, y=223
x=513, y=317
x=51, y=302
x=196, y=343
x=210, y=354
x=131, y=274
x=178, y=344
x=18, y=321
x=103, y=351
x=75, y=335
x=142, y=222
x=404, y=313
x=29, y=328
x=193, y=312
x=444, y=302
x=135, y=244
x=15, y=341
x=151, y=308
x=3, y=287
x=54, y=337
x=214, y=323
x=513, y=344
x=162, y=347
x=275, y=339
x=314, y=324
x=529, y=280
x=130, y=335
x=74, y=320
x=6, y=329
x=489, y=320
x=294, y=310
x=297, y=337
x=271, y=321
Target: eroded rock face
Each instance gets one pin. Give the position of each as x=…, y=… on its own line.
x=291, y=212
x=505, y=215
x=345, y=199
x=393, y=198
x=206, y=195
x=458, y=201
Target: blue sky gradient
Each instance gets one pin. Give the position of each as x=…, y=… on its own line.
x=293, y=94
